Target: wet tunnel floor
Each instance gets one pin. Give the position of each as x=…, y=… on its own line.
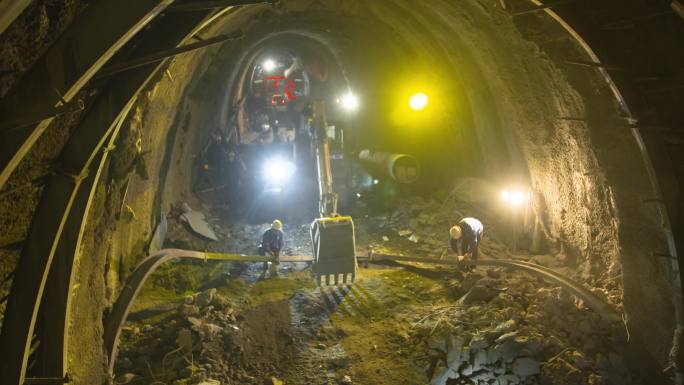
x=217, y=323
x=287, y=329
x=395, y=325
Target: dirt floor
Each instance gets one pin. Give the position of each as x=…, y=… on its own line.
x=218, y=323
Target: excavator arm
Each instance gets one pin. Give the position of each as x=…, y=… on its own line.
x=332, y=235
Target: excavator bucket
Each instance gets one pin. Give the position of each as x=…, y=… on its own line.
x=334, y=250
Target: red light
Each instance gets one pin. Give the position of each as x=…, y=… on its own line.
x=290, y=88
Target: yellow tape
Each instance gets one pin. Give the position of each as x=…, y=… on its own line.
x=334, y=219
x=236, y=257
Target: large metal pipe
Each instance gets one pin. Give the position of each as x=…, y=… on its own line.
x=400, y=167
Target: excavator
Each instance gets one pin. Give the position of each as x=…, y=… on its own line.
x=332, y=235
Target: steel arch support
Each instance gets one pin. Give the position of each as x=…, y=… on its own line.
x=31, y=274
x=89, y=42
x=54, y=314
x=82, y=150
x=47, y=228
x=45, y=233
x=10, y=10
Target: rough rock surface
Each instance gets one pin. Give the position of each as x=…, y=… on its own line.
x=397, y=324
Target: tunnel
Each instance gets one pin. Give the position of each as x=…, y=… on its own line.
x=467, y=192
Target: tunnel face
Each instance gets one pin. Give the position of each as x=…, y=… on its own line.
x=494, y=107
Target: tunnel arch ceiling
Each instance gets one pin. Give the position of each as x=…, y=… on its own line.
x=551, y=127
x=556, y=127
x=311, y=49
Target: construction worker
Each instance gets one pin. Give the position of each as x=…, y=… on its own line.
x=271, y=244
x=465, y=237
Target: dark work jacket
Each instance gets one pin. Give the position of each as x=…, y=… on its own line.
x=471, y=235
x=272, y=240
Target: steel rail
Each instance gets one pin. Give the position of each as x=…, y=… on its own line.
x=590, y=299
x=159, y=56
x=137, y=279
x=90, y=41
x=10, y=10
x=81, y=151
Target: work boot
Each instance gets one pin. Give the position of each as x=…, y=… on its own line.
x=263, y=272
x=273, y=270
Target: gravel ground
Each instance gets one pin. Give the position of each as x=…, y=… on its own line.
x=397, y=324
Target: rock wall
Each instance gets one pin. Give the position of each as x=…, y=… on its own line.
x=534, y=122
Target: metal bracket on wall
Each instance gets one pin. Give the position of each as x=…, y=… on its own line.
x=542, y=7
x=678, y=8
x=591, y=64
x=661, y=255
x=161, y=55
x=213, y=4
x=25, y=121
x=47, y=380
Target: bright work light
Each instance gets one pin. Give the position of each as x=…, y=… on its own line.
x=278, y=170
x=418, y=101
x=349, y=102
x=269, y=65
x=515, y=197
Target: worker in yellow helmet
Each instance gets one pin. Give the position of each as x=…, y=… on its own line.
x=271, y=244
x=465, y=238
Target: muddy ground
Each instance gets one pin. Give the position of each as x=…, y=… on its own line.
x=218, y=323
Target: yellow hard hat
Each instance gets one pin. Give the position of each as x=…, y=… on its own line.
x=277, y=224
x=455, y=232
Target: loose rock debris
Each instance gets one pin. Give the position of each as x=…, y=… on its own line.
x=398, y=324
x=196, y=221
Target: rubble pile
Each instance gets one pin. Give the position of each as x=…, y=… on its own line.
x=421, y=226
x=242, y=238
x=206, y=342
x=490, y=326
x=509, y=330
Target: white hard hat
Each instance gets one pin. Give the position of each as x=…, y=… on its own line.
x=455, y=232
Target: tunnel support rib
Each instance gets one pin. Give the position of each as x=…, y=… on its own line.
x=10, y=10
x=91, y=40
x=54, y=220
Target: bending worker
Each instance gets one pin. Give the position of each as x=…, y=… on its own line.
x=465, y=237
x=271, y=244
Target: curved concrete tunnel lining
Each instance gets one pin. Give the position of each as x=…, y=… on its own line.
x=571, y=130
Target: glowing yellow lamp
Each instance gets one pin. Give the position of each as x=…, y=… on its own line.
x=418, y=101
